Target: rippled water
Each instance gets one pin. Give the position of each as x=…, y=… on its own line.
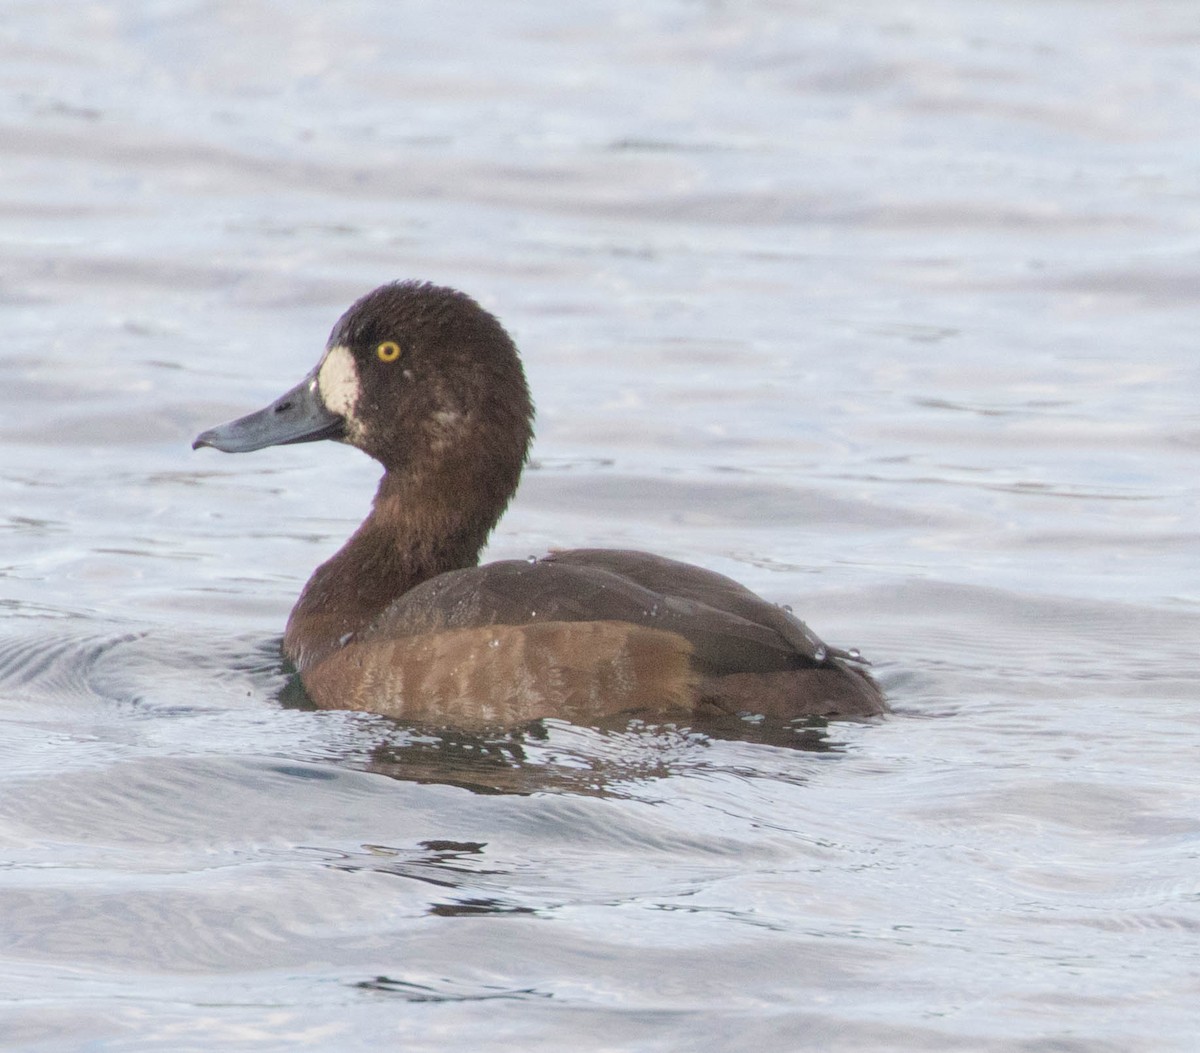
x=887, y=311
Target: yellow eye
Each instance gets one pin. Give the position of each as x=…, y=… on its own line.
x=388, y=351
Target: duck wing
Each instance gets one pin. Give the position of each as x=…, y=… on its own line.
x=729, y=628
x=708, y=588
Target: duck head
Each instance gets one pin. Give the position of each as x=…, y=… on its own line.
x=419, y=377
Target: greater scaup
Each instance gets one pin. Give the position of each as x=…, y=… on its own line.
x=403, y=621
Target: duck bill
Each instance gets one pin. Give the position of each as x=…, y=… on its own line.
x=300, y=415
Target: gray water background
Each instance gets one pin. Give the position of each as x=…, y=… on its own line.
x=887, y=310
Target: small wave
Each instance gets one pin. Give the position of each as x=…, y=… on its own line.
x=72, y=668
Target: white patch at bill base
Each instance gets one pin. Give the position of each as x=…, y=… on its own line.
x=337, y=381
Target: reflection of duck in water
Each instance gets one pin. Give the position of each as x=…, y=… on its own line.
x=402, y=621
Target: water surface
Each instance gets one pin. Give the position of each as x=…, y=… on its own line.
x=889, y=313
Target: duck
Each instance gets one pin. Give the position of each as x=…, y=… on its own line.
x=403, y=621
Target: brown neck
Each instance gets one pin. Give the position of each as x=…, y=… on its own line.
x=413, y=533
